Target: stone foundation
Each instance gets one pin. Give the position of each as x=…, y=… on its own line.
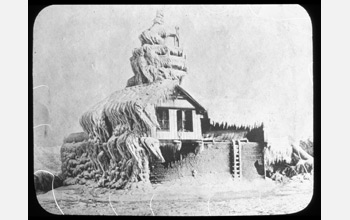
x=252, y=161
x=214, y=159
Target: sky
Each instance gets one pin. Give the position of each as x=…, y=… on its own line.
x=246, y=64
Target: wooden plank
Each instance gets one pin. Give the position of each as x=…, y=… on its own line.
x=177, y=103
x=194, y=124
x=196, y=134
x=199, y=127
x=173, y=124
x=161, y=135
x=167, y=134
x=187, y=135
x=240, y=159
x=234, y=156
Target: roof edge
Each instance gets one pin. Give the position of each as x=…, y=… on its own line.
x=192, y=100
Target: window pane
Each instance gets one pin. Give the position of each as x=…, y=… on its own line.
x=179, y=120
x=163, y=118
x=188, y=123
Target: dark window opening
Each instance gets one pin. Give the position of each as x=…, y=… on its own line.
x=163, y=119
x=184, y=120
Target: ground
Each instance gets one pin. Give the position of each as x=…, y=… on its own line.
x=194, y=196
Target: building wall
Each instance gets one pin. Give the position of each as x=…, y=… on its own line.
x=214, y=160
x=177, y=103
x=251, y=153
x=174, y=134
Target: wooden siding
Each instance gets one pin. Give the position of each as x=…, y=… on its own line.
x=174, y=134
x=177, y=103
x=171, y=134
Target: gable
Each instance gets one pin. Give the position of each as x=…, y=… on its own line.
x=177, y=103
x=182, y=99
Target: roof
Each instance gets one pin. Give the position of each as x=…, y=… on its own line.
x=192, y=100
x=152, y=93
x=139, y=100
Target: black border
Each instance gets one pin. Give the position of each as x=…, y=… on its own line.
x=314, y=10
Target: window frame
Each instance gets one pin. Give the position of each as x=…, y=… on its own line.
x=184, y=121
x=159, y=119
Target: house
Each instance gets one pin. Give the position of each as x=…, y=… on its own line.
x=180, y=118
x=162, y=109
x=153, y=119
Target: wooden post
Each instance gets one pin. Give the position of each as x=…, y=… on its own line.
x=234, y=160
x=240, y=159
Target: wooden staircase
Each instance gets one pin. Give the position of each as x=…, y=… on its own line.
x=235, y=159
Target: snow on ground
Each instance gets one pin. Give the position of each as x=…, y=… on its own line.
x=200, y=196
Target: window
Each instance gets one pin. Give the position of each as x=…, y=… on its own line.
x=184, y=120
x=163, y=119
